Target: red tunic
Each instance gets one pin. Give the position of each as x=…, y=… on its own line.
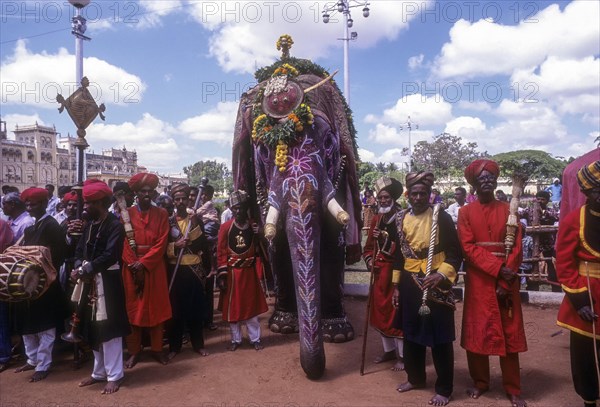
x=487, y=328
x=244, y=297
x=382, y=310
x=151, y=230
x=572, y=250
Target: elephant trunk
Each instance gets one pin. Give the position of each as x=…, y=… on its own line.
x=306, y=261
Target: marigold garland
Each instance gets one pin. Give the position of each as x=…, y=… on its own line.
x=270, y=131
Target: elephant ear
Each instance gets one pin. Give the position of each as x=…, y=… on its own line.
x=327, y=100
x=242, y=160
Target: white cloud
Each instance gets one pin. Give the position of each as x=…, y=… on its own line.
x=384, y=134
x=152, y=139
x=152, y=12
x=244, y=32
x=24, y=83
x=571, y=85
x=424, y=111
x=467, y=127
x=393, y=155
x=215, y=125
x=415, y=62
x=485, y=48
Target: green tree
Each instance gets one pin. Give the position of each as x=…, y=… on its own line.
x=381, y=167
x=525, y=165
x=447, y=156
x=218, y=174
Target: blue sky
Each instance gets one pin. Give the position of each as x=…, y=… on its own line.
x=506, y=74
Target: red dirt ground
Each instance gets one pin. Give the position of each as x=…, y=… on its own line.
x=273, y=377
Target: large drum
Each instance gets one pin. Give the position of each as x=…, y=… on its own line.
x=26, y=272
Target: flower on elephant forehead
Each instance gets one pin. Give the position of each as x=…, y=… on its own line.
x=286, y=69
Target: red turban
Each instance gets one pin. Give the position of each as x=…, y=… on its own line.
x=71, y=196
x=478, y=166
x=34, y=194
x=94, y=190
x=138, y=181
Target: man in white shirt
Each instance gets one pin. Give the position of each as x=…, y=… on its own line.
x=460, y=194
x=52, y=200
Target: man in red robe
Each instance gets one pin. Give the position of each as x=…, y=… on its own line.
x=237, y=255
x=145, y=271
x=578, y=270
x=379, y=255
x=492, y=316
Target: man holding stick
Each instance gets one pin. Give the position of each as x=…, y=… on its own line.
x=492, y=316
x=578, y=268
x=145, y=271
x=379, y=254
x=186, y=242
x=424, y=271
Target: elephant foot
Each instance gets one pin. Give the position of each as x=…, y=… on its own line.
x=282, y=322
x=337, y=330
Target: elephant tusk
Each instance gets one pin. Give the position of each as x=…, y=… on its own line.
x=270, y=223
x=338, y=212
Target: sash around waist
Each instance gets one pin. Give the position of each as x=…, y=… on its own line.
x=418, y=265
x=586, y=267
x=186, y=260
x=240, y=262
x=492, y=247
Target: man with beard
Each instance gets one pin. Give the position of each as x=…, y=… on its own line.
x=379, y=254
x=98, y=264
x=37, y=320
x=237, y=251
x=578, y=267
x=145, y=271
x=121, y=188
x=492, y=316
x=186, y=289
x=422, y=329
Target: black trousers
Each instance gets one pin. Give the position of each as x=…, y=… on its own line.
x=443, y=361
x=176, y=329
x=583, y=368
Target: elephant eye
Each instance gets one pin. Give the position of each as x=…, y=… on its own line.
x=275, y=101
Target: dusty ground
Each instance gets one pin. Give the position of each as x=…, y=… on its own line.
x=273, y=377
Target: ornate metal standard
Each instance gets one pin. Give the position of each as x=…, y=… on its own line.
x=82, y=109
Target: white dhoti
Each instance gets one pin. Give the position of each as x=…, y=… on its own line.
x=38, y=348
x=390, y=344
x=108, y=361
x=253, y=327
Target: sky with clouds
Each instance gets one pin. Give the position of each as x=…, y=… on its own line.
x=506, y=74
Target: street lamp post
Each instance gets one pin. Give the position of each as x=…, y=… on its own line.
x=409, y=125
x=343, y=7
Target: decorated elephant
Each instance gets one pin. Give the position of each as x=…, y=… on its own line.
x=294, y=152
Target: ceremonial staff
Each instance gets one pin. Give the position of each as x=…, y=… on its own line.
x=366, y=328
x=424, y=309
x=203, y=183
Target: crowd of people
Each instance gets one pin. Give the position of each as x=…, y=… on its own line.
x=139, y=261
x=134, y=262
x=415, y=254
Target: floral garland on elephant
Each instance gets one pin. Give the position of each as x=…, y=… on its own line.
x=294, y=151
